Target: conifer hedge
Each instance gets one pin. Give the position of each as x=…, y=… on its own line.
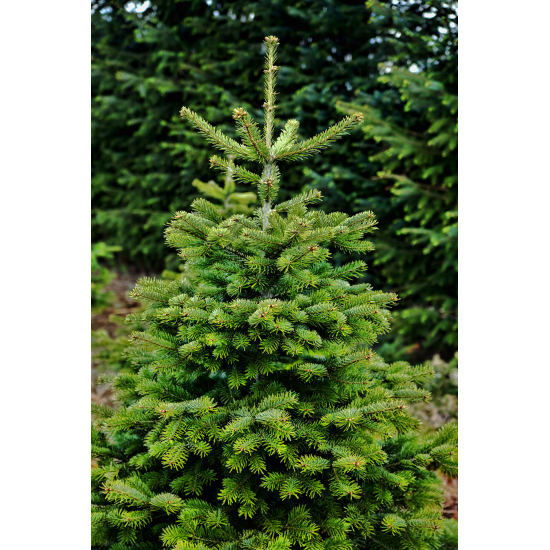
x=414, y=118
x=258, y=416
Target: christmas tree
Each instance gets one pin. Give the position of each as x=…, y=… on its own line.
x=147, y=63
x=415, y=120
x=258, y=416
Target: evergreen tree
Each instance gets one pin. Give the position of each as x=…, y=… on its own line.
x=412, y=115
x=258, y=416
x=146, y=64
x=418, y=254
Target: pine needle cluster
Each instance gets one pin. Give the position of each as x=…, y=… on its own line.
x=258, y=416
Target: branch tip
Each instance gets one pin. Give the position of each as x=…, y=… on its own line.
x=239, y=113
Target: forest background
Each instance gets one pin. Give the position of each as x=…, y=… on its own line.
x=396, y=62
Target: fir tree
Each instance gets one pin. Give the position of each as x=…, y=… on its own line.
x=258, y=416
x=206, y=55
x=415, y=121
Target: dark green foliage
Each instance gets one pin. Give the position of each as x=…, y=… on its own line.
x=258, y=416
x=145, y=66
x=413, y=116
x=449, y=537
x=101, y=276
x=109, y=353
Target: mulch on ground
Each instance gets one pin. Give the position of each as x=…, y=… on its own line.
x=450, y=508
x=121, y=306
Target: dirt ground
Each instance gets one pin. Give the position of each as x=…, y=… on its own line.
x=450, y=508
x=120, y=286
x=123, y=305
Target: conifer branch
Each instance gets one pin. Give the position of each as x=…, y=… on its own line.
x=136, y=294
x=216, y=137
x=233, y=251
x=204, y=237
x=238, y=172
x=141, y=336
x=315, y=144
x=305, y=198
x=270, y=71
x=286, y=138
x=261, y=237
x=249, y=132
x=185, y=218
x=369, y=382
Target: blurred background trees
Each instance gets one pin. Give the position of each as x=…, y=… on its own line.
x=394, y=61
x=412, y=115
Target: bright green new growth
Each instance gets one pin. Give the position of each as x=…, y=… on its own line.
x=258, y=416
x=231, y=201
x=258, y=148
